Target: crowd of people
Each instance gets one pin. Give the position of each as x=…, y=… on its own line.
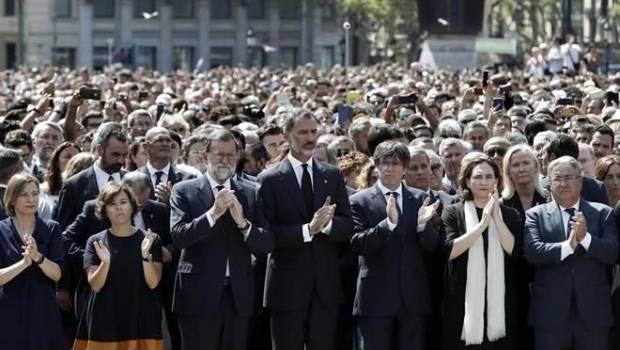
x=376, y=207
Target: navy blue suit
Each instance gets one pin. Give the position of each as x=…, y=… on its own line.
x=570, y=297
x=393, y=286
x=200, y=286
x=302, y=283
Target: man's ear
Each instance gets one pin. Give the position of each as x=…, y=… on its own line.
x=99, y=150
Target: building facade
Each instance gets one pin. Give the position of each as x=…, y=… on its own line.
x=171, y=34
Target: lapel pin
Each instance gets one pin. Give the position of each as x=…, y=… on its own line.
x=325, y=181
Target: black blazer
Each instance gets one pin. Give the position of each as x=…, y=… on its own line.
x=296, y=268
x=392, y=267
x=76, y=190
x=205, y=249
x=175, y=176
x=592, y=190
x=3, y=214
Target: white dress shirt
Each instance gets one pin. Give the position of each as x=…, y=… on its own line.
x=226, y=185
x=138, y=221
x=566, y=249
x=152, y=171
x=299, y=171
x=102, y=177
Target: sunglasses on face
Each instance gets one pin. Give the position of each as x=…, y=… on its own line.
x=500, y=151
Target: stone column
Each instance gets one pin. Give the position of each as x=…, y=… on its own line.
x=85, y=48
x=273, y=15
x=126, y=21
x=164, y=50
x=241, y=41
x=204, y=19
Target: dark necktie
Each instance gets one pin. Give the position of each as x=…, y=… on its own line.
x=158, y=175
x=395, y=194
x=306, y=187
x=219, y=188
x=571, y=212
x=110, y=178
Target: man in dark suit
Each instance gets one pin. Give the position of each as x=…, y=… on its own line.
x=216, y=221
x=592, y=190
x=302, y=283
x=392, y=225
x=418, y=176
x=571, y=243
x=111, y=148
x=161, y=172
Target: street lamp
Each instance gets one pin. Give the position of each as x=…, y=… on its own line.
x=347, y=50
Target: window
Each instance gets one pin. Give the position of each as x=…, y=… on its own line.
x=104, y=8
x=328, y=11
x=183, y=9
x=220, y=9
x=290, y=9
x=256, y=9
x=327, y=56
x=9, y=8
x=63, y=8
x=63, y=56
x=221, y=56
x=100, y=57
x=11, y=55
x=183, y=58
x=147, y=57
x=140, y=6
x=256, y=56
x=289, y=56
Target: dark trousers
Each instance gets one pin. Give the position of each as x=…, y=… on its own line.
x=404, y=331
x=314, y=327
x=577, y=337
x=224, y=331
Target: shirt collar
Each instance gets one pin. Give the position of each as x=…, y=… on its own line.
x=385, y=190
x=152, y=170
x=296, y=163
x=214, y=183
x=576, y=206
x=100, y=173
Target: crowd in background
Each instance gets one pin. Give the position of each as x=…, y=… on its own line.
x=103, y=230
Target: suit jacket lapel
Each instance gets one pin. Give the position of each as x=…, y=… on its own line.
x=91, y=183
x=555, y=221
x=319, y=180
x=172, y=175
x=205, y=193
x=148, y=216
x=290, y=182
x=586, y=209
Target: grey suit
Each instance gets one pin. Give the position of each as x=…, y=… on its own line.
x=571, y=304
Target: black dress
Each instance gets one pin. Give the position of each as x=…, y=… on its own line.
x=125, y=313
x=29, y=317
x=524, y=276
x=455, y=278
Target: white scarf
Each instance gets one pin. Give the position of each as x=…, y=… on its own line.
x=473, y=322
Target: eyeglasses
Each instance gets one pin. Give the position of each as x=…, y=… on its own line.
x=435, y=167
x=500, y=151
x=342, y=152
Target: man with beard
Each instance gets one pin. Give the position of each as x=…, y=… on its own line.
x=307, y=209
x=46, y=136
x=161, y=172
x=216, y=220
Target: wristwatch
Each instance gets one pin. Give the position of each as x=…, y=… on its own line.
x=245, y=227
x=40, y=261
x=148, y=258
